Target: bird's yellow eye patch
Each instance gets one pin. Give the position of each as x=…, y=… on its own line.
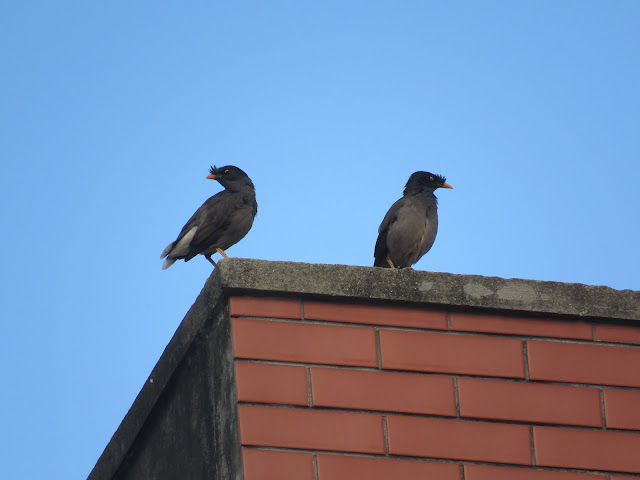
x=431, y=178
x=227, y=171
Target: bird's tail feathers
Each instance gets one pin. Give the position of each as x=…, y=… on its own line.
x=168, y=262
x=166, y=251
x=381, y=262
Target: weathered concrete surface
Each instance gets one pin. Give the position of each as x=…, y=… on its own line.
x=183, y=424
x=191, y=433
x=466, y=291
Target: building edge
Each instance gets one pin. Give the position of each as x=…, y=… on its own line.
x=205, y=331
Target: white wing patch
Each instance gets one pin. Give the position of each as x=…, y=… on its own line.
x=179, y=250
x=182, y=247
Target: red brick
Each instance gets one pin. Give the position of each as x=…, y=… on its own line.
x=520, y=326
x=311, y=429
x=452, y=353
x=276, y=465
x=376, y=315
x=587, y=449
x=584, y=363
x=622, y=408
x=618, y=333
x=385, y=391
x=487, y=472
x=343, y=467
x=529, y=402
x=267, y=383
x=458, y=439
x=264, y=307
x=623, y=477
x=304, y=342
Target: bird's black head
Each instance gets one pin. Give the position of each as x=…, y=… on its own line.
x=230, y=177
x=425, y=182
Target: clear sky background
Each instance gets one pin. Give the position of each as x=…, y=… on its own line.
x=112, y=113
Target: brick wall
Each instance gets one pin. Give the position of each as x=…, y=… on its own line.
x=330, y=391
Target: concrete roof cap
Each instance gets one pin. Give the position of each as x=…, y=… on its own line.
x=471, y=292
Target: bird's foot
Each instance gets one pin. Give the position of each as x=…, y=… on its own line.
x=390, y=263
x=407, y=268
x=221, y=252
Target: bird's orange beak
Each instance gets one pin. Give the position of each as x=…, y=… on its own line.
x=213, y=177
x=444, y=185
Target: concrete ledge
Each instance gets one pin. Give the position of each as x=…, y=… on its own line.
x=465, y=291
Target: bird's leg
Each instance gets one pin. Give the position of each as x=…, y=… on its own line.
x=221, y=252
x=390, y=263
x=208, y=257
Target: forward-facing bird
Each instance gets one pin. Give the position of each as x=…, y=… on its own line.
x=409, y=228
x=222, y=221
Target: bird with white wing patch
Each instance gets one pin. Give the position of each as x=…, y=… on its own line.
x=222, y=221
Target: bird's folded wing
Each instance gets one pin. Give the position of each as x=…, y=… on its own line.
x=214, y=219
x=388, y=220
x=391, y=215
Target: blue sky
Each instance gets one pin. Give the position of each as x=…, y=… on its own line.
x=112, y=112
